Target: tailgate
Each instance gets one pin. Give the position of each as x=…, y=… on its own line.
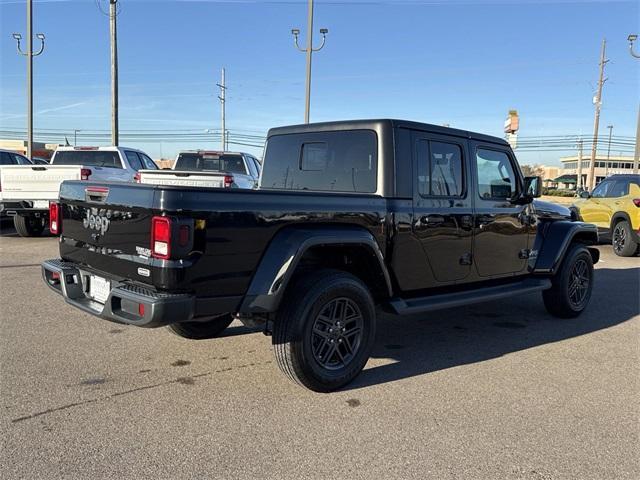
x=35, y=182
x=182, y=178
x=108, y=227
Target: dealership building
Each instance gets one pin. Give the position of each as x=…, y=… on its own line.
x=567, y=174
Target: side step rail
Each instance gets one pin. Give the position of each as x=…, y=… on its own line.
x=448, y=300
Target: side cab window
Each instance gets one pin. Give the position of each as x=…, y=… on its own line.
x=601, y=190
x=251, y=167
x=147, y=162
x=497, y=179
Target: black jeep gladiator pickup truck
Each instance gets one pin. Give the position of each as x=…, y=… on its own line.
x=349, y=216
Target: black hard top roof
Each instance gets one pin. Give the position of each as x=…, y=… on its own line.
x=632, y=176
x=378, y=123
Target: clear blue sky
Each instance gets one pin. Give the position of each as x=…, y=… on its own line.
x=461, y=62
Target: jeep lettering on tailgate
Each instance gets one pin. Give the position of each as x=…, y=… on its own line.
x=96, y=220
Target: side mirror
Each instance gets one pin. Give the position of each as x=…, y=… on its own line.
x=532, y=187
x=585, y=194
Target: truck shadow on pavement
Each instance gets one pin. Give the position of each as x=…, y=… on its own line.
x=422, y=344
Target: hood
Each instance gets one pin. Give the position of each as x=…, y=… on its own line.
x=554, y=210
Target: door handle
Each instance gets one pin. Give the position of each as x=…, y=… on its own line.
x=432, y=220
x=485, y=220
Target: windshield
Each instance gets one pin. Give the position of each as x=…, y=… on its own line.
x=92, y=158
x=211, y=162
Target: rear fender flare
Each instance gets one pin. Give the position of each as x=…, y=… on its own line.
x=553, y=243
x=283, y=254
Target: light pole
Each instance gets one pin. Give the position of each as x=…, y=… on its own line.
x=30, y=54
x=606, y=165
x=636, y=155
x=309, y=51
x=113, y=31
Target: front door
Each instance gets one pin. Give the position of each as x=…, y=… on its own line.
x=443, y=214
x=501, y=226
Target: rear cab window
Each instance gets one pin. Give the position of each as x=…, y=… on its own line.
x=211, y=162
x=338, y=161
x=89, y=158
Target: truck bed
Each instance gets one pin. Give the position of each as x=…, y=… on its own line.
x=233, y=229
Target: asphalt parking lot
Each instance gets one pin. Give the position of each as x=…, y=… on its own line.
x=498, y=390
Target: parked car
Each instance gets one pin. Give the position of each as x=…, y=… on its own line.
x=614, y=207
x=28, y=189
x=208, y=169
x=349, y=216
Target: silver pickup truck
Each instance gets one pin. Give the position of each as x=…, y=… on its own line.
x=208, y=169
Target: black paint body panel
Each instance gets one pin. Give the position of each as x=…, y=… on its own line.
x=250, y=240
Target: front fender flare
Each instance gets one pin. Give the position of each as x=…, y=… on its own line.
x=554, y=241
x=285, y=251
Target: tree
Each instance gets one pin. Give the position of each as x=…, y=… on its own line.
x=532, y=170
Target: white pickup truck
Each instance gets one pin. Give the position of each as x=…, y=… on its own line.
x=28, y=189
x=208, y=169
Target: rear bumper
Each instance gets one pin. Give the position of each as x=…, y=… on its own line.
x=124, y=300
x=11, y=208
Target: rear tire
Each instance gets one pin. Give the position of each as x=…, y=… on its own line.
x=28, y=226
x=572, y=285
x=622, y=241
x=325, y=329
x=202, y=330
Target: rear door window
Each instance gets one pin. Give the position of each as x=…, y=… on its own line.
x=134, y=160
x=620, y=188
x=89, y=158
x=439, y=169
x=342, y=161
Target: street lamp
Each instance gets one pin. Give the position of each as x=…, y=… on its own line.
x=29, y=54
x=632, y=38
x=636, y=155
x=606, y=165
x=309, y=51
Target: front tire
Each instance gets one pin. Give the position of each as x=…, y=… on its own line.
x=202, y=330
x=325, y=330
x=622, y=241
x=28, y=226
x=571, y=287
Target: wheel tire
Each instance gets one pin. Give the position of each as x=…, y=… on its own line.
x=623, y=243
x=202, y=330
x=305, y=350
x=572, y=285
x=28, y=226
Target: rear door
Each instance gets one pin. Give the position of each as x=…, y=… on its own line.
x=443, y=213
x=501, y=227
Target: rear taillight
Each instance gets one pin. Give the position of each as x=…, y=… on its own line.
x=136, y=177
x=55, y=218
x=636, y=202
x=228, y=181
x=85, y=173
x=161, y=237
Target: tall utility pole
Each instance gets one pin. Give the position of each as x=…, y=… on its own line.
x=222, y=98
x=309, y=51
x=596, y=120
x=579, y=169
x=636, y=154
x=113, y=13
x=29, y=54
x=606, y=165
